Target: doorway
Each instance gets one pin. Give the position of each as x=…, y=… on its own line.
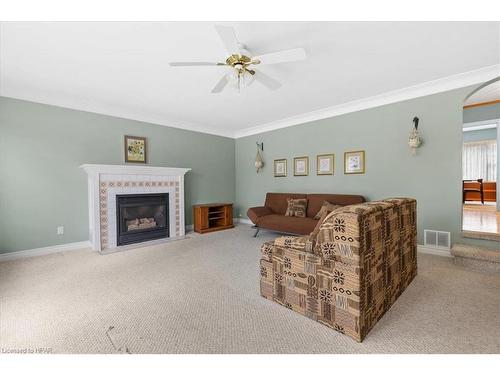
x=480, y=163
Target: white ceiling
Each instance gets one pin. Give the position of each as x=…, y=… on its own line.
x=121, y=68
x=486, y=94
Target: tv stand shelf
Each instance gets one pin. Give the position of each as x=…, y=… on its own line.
x=212, y=217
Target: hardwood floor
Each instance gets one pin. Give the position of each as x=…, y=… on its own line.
x=481, y=218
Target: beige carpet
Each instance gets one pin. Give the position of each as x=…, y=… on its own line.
x=201, y=295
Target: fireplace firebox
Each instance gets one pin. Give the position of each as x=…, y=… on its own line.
x=141, y=217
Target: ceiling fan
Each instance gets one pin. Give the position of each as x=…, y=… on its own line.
x=241, y=64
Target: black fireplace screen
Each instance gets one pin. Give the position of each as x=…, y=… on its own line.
x=141, y=217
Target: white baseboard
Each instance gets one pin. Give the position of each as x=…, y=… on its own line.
x=44, y=250
x=86, y=244
x=434, y=251
x=243, y=221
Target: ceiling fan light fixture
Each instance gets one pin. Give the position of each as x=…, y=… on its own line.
x=241, y=60
x=240, y=79
x=247, y=80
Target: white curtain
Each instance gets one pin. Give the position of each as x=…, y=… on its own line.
x=479, y=160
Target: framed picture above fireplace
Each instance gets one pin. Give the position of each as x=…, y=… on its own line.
x=135, y=149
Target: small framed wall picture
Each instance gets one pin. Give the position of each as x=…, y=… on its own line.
x=280, y=168
x=301, y=166
x=325, y=164
x=135, y=149
x=354, y=162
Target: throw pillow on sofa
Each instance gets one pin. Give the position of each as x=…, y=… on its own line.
x=326, y=207
x=315, y=232
x=322, y=218
x=296, y=207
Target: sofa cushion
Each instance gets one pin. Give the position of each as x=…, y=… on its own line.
x=288, y=224
x=315, y=201
x=296, y=207
x=277, y=201
x=254, y=213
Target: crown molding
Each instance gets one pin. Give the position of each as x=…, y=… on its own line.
x=124, y=113
x=423, y=89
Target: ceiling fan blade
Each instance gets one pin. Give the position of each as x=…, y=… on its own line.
x=221, y=84
x=228, y=37
x=267, y=81
x=194, y=63
x=288, y=55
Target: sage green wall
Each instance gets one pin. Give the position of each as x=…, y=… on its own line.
x=41, y=147
x=41, y=186
x=488, y=112
x=433, y=176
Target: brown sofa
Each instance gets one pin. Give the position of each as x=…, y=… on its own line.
x=271, y=216
x=350, y=273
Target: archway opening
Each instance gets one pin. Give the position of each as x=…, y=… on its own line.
x=480, y=163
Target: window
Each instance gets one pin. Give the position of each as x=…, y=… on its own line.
x=480, y=160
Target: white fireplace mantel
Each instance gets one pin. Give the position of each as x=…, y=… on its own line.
x=107, y=181
x=133, y=169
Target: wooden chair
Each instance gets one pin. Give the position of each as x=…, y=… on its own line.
x=472, y=189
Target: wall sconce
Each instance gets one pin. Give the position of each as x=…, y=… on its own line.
x=259, y=163
x=414, y=140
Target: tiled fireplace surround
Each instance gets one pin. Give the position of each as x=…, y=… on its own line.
x=105, y=182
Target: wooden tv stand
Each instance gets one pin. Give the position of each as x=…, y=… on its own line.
x=212, y=217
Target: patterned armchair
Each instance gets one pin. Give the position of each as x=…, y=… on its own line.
x=349, y=275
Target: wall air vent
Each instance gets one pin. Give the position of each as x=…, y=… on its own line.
x=436, y=238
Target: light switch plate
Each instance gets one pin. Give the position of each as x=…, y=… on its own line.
x=60, y=230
